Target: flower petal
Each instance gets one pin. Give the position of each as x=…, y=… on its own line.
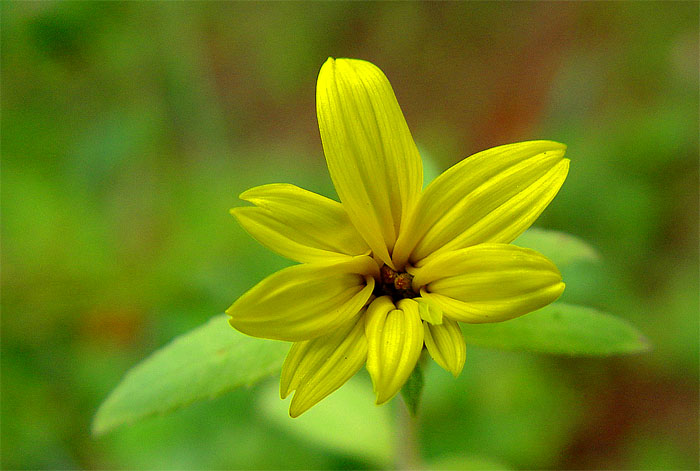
x=488, y=282
x=315, y=368
x=395, y=341
x=445, y=344
x=492, y=196
x=299, y=224
x=305, y=301
x=372, y=158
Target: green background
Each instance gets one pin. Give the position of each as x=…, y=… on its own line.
x=129, y=129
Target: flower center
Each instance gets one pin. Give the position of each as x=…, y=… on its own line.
x=395, y=284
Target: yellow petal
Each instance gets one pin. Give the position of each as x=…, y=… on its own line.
x=489, y=282
x=492, y=196
x=305, y=301
x=299, y=224
x=445, y=344
x=372, y=158
x=394, y=341
x=315, y=368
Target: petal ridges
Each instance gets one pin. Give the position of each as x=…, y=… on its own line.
x=395, y=341
x=315, y=368
x=372, y=158
x=489, y=282
x=302, y=302
x=299, y=224
x=492, y=196
x=445, y=344
x=444, y=252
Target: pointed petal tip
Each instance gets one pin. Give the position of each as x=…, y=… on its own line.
x=561, y=145
x=285, y=382
x=566, y=163
x=327, y=66
x=552, y=145
x=455, y=370
x=384, y=395
x=537, y=147
x=383, y=398
x=245, y=194
x=250, y=194
x=295, y=410
x=560, y=289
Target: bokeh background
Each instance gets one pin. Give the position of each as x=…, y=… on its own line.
x=129, y=129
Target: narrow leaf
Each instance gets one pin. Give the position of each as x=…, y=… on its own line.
x=200, y=364
x=412, y=390
x=561, y=248
x=562, y=329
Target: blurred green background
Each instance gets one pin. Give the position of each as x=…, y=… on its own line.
x=129, y=129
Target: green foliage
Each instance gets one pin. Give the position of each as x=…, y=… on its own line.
x=346, y=422
x=412, y=390
x=201, y=364
x=563, y=249
x=560, y=328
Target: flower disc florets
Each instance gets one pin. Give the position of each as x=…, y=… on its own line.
x=393, y=283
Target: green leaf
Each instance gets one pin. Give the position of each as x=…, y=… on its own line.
x=560, y=328
x=347, y=421
x=412, y=390
x=200, y=364
x=561, y=248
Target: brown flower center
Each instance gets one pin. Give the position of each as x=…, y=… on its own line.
x=396, y=284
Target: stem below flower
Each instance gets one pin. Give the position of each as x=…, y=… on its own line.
x=407, y=451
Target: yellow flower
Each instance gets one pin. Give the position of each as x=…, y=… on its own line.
x=393, y=268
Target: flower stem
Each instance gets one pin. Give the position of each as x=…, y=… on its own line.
x=407, y=450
